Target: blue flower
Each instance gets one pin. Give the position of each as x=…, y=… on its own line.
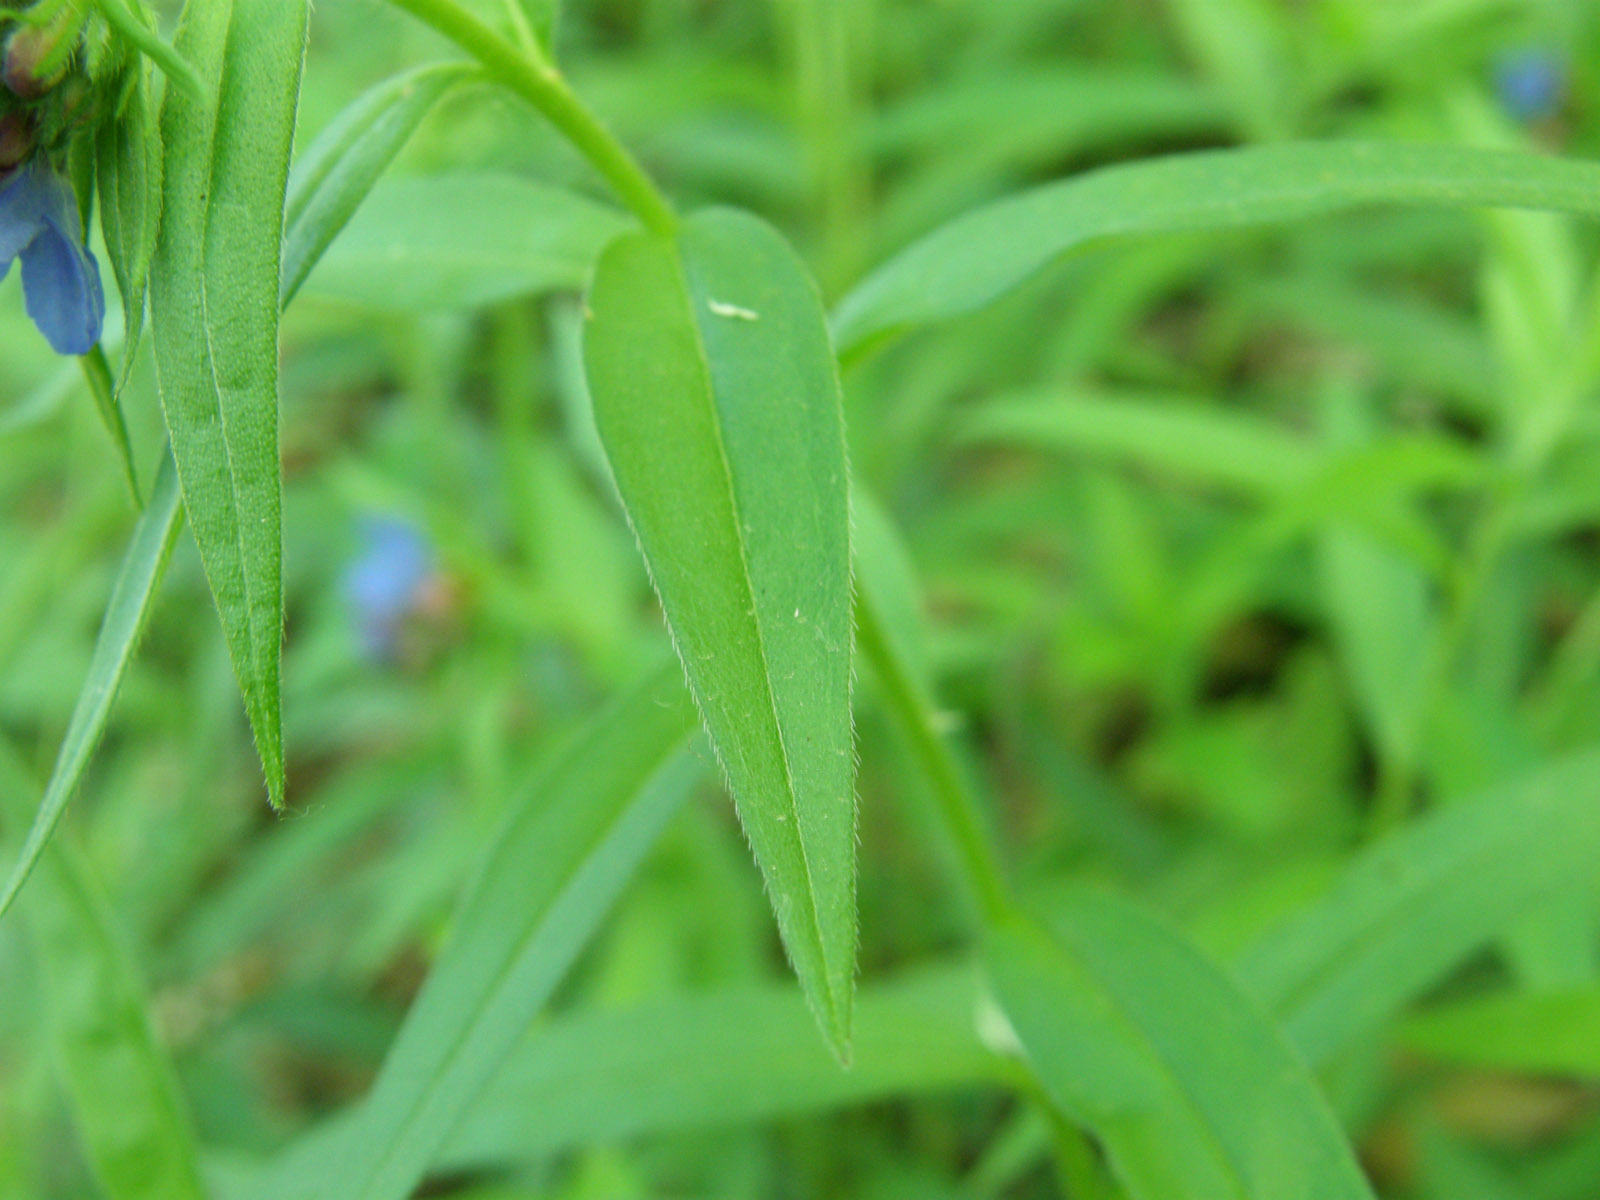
x=39, y=224
x=1532, y=83
x=384, y=583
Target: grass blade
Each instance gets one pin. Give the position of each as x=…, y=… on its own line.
x=1210, y=445
x=548, y=882
x=978, y=257
x=214, y=301
x=132, y=596
x=334, y=175
x=717, y=399
x=730, y=1058
x=1418, y=904
x=127, y=1105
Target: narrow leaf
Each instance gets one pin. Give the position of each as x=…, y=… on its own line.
x=1543, y=1032
x=717, y=399
x=1153, y=1049
x=549, y=879
x=1211, y=445
x=129, y=158
x=126, y=1102
x=1419, y=903
x=334, y=175
x=214, y=301
x=978, y=257
x=733, y=1058
x=505, y=237
x=131, y=599
x=135, y=24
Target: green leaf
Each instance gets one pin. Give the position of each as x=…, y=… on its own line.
x=503, y=237
x=739, y=1057
x=978, y=257
x=129, y=157
x=1545, y=1033
x=717, y=399
x=548, y=881
x=1380, y=608
x=1153, y=1049
x=126, y=1102
x=1213, y=446
x=131, y=598
x=334, y=175
x=135, y=23
x=214, y=306
x=1419, y=903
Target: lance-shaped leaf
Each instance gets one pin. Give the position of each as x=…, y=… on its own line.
x=214, y=307
x=336, y=172
x=979, y=257
x=551, y=874
x=128, y=159
x=132, y=597
x=717, y=399
x=1135, y=1036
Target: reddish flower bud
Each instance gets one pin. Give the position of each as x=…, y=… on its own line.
x=33, y=63
x=16, y=139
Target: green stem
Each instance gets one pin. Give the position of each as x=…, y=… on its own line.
x=171, y=64
x=97, y=372
x=957, y=805
x=529, y=75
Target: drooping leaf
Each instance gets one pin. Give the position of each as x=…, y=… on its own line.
x=214, y=306
x=978, y=257
x=1157, y=1053
x=717, y=399
x=131, y=599
x=334, y=175
x=127, y=1106
x=550, y=876
x=464, y=240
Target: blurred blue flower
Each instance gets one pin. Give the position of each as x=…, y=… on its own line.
x=384, y=582
x=1531, y=83
x=39, y=224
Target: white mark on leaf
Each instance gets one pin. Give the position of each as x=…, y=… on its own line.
x=719, y=309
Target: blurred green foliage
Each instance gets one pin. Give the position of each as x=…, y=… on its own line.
x=1237, y=552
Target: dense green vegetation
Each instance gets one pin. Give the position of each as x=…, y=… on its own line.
x=1121, y=484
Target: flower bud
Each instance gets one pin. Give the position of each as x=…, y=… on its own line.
x=36, y=58
x=16, y=139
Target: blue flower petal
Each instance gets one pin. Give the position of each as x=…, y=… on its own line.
x=39, y=224
x=62, y=282
x=21, y=214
